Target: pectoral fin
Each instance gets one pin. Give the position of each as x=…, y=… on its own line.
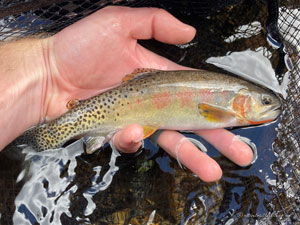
x=215, y=114
x=137, y=73
x=93, y=143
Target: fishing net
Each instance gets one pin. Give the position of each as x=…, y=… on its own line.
x=223, y=27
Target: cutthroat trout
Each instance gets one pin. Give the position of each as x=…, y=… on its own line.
x=176, y=100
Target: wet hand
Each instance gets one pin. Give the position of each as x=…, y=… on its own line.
x=95, y=53
x=178, y=146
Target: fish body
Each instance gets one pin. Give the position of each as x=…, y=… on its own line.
x=176, y=100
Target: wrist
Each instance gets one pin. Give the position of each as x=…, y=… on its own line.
x=23, y=74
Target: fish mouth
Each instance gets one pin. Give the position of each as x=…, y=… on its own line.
x=260, y=122
x=273, y=109
x=278, y=110
x=272, y=114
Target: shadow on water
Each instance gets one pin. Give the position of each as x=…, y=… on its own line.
x=69, y=187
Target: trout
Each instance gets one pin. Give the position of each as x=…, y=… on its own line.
x=174, y=100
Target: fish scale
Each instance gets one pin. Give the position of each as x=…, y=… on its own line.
x=177, y=100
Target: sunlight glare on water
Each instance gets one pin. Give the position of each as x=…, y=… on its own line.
x=103, y=185
x=45, y=196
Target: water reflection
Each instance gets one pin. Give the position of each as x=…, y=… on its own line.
x=45, y=196
x=68, y=187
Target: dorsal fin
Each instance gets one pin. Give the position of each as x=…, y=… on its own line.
x=137, y=73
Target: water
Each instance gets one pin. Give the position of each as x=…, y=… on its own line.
x=69, y=188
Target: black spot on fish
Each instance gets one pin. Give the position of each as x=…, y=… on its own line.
x=103, y=116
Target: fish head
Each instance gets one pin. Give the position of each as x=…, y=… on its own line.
x=256, y=106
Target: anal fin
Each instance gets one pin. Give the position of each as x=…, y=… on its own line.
x=93, y=143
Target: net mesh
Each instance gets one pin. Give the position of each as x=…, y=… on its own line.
x=217, y=24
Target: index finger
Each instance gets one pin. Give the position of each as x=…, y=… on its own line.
x=147, y=23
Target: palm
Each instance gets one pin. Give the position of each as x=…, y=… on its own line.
x=94, y=54
x=100, y=59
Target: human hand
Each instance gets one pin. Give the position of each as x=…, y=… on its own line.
x=95, y=53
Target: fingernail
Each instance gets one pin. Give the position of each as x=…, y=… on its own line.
x=137, y=136
x=243, y=148
x=137, y=141
x=252, y=146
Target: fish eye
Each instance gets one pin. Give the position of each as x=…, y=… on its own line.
x=266, y=100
